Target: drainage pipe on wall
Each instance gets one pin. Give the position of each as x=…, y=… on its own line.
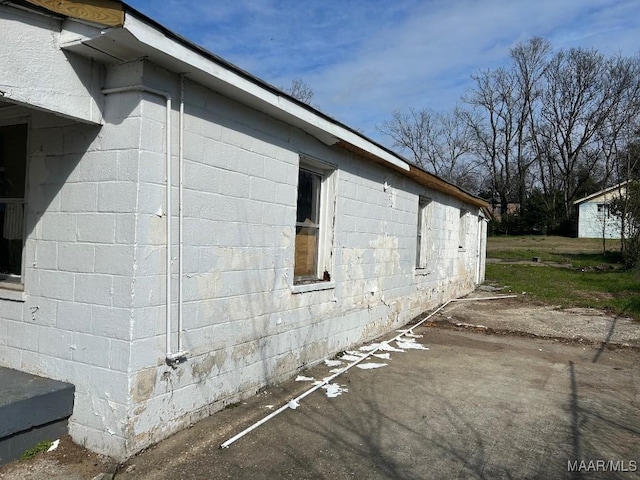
x=171, y=357
x=180, y=210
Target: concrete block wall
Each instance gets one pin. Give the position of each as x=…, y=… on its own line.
x=72, y=322
x=93, y=308
x=245, y=326
x=72, y=83
x=594, y=224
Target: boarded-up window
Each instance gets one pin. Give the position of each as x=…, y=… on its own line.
x=462, y=229
x=13, y=170
x=424, y=219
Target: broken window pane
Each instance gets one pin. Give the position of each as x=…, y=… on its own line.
x=307, y=226
x=308, y=197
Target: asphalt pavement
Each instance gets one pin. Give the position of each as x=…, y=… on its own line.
x=472, y=406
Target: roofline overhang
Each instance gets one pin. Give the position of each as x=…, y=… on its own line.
x=112, y=31
x=600, y=193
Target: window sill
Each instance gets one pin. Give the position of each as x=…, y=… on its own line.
x=12, y=291
x=422, y=271
x=313, y=287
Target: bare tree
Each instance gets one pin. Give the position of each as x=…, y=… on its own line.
x=492, y=121
x=300, y=91
x=583, y=91
x=454, y=143
x=546, y=128
x=529, y=60
x=438, y=142
x=413, y=131
x=504, y=103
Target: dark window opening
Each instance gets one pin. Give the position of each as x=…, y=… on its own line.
x=13, y=171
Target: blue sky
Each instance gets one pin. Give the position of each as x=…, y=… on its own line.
x=366, y=58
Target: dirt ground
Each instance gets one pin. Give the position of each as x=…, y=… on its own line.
x=69, y=461
x=508, y=388
x=517, y=315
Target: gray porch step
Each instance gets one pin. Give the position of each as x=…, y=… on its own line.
x=32, y=409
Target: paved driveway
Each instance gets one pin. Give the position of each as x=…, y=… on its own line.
x=473, y=406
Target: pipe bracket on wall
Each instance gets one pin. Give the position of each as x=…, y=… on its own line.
x=174, y=359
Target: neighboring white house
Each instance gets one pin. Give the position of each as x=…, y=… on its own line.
x=284, y=236
x=595, y=219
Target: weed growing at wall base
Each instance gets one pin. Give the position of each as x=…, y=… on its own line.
x=41, y=447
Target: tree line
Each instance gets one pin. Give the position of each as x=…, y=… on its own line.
x=534, y=135
x=547, y=128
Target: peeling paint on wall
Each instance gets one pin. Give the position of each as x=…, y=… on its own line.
x=144, y=385
x=244, y=326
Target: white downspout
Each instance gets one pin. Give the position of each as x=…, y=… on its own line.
x=180, y=209
x=171, y=357
x=478, y=248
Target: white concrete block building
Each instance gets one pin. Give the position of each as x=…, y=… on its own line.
x=595, y=219
x=176, y=234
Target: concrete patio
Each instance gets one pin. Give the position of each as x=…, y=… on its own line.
x=472, y=406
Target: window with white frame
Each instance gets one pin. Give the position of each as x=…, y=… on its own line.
x=462, y=229
x=314, y=223
x=603, y=209
x=13, y=171
x=424, y=223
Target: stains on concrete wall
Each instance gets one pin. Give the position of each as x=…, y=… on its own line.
x=244, y=324
x=203, y=369
x=144, y=385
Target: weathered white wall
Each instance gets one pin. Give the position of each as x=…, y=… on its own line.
x=73, y=320
x=92, y=312
x=244, y=326
x=35, y=72
x=594, y=224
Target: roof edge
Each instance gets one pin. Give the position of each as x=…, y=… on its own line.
x=103, y=12
x=424, y=178
x=600, y=192
x=114, y=13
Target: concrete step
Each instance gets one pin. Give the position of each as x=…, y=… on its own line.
x=32, y=409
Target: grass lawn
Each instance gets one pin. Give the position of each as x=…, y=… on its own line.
x=574, y=272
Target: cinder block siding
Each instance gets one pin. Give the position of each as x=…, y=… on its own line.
x=244, y=327
x=93, y=311
x=594, y=224
x=35, y=71
x=73, y=320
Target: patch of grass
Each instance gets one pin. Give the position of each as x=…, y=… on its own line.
x=575, y=259
x=503, y=245
x=41, y=447
x=578, y=273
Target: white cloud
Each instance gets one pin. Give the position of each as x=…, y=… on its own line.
x=365, y=58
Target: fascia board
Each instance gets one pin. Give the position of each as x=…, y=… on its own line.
x=249, y=92
x=601, y=193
